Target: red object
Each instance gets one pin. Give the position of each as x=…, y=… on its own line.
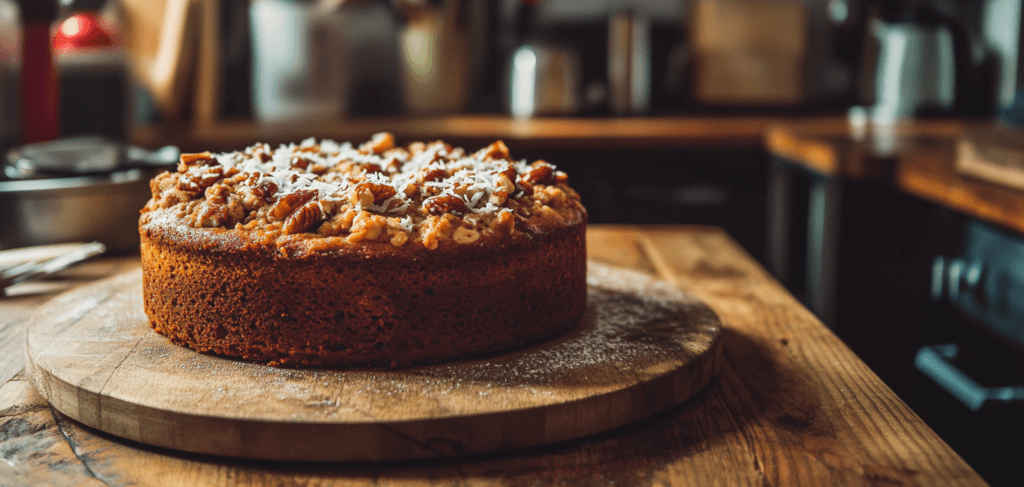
x=81, y=31
x=39, y=92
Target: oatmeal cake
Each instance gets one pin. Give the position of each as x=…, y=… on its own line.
x=330, y=254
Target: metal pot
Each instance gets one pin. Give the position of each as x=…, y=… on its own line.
x=103, y=208
x=77, y=189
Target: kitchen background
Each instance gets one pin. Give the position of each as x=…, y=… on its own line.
x=796, y=125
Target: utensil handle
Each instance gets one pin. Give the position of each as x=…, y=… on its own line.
x=50, y=266
x=934, y=361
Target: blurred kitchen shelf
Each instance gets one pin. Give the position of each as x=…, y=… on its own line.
x=727, y=132
x=918, y=158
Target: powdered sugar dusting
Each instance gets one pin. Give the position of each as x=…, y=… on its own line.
x=634, y=325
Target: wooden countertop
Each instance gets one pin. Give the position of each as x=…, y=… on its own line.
x=575, y=132
x=918, y=157
x=929, y=173
x=792, y=405
x=831, y=146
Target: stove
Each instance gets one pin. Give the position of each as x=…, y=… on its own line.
x=933, y=302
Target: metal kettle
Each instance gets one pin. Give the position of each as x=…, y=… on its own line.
x=923, y=66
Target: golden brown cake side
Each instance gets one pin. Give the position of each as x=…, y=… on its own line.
x=365, y=309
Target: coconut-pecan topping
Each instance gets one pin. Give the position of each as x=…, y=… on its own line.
x=376, y=191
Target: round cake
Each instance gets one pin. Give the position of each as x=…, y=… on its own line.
x=328, y=254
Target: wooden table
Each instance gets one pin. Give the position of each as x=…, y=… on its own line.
x=792, y=405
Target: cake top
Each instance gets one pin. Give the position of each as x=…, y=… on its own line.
x=425, y=192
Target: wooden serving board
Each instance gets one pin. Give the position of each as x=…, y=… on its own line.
x=641, y=348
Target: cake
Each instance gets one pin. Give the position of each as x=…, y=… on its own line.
x=327, y=254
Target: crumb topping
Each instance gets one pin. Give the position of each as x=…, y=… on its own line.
x=425, y=192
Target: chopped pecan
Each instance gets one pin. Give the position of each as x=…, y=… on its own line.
x=288, y=203
x=525, y=187
x=497, y=150
x=504, y=222
x=218, y=193
x=371, y=168
x=318, y=169
x=368, y=194
x=410, y=190
x=499, y=197
x=393, y=166
x=263, y=190
x=504, y=183
x=380, y=142
x=302, y=219
x=439, y=205
x=434, y=175
x=213, y=215
x=300, y=162
x=195, y=182
x=417, y=147
x=188, y=185
x=187, y=160
x=510, y=173
x=541, y=174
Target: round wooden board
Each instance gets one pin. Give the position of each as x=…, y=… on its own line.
x=642, y=347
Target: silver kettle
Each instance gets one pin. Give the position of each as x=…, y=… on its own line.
x=923, y=67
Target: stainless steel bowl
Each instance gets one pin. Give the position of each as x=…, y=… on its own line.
x=104, y=208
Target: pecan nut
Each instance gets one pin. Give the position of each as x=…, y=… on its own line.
x=200, y=158
x=196, y=182
x=510, y=173
x=380, y=142
x=290, y=202
x=439, y=205
x=504, y=222
x=302, y=219
x=371, y=168
x=497, y=150
x=499, y=197
x=435, y=175
x=525, y=187
x=542, y=174
x=263, y=190
x=213, y=215
x=368, y=194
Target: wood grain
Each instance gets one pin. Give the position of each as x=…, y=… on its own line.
x=21, y=300
x=791, y=406
x=641, y=348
